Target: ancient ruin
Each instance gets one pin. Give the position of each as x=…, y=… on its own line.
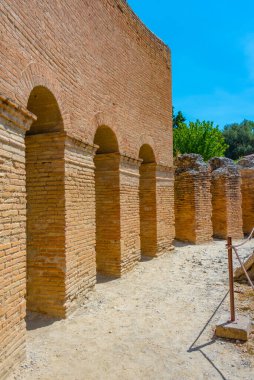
x=86, y=160
x=193, y=200
x=86, y=155
x=246, y=168
x=226, y=199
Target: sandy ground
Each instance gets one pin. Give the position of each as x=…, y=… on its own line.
x=155, y=323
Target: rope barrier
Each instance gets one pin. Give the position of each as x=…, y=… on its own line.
x=246, y=240
x=243, y=268
x=234, y=247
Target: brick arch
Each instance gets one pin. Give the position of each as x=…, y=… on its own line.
x=106, y=119
x=38, y=75
x=147, y=140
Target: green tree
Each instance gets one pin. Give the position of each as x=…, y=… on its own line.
x=178, y=119
x=240, y=139
x=200, y=137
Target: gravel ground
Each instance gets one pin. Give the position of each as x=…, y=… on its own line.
x=155, y=323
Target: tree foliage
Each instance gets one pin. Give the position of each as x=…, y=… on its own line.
x=240, y=139
x=178, y=119
x=200, y=137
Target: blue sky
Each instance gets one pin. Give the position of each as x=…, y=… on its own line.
x=212, y=45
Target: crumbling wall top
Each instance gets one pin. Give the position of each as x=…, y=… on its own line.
x=191, y=163
x=247, y=162
x=223, y=166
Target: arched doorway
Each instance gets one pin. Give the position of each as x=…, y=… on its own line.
x=147, y=202
x=45, y=206
x=107, y=158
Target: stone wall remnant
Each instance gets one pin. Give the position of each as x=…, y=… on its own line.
x=193, y=207
x=226, y=199
x=246, y=168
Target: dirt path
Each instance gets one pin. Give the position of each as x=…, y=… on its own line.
x=145, y=326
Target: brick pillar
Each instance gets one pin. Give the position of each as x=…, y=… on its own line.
x=108, y=229
x=80, y=221
x=14, y=121
x=148, y=209
x=117, y=213
x=246, y=168
x=165, y=208
x=129, y=211
x=45, y=223
x=193, y=201
x=226, y=199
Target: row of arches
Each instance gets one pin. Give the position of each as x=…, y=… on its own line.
x=45, y=186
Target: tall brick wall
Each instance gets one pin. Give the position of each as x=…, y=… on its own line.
x=193, y=207
x=100, y=62
x=246, y=168
x=226, y=199
x=14, y=122
x=78, y=66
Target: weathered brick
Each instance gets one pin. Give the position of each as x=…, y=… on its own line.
x=77, y=67
x=226, y=199
x=246, y=169
x=193, y=201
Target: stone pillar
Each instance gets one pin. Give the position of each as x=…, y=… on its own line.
x=129, y=212
x=193, y=201
x=226, y=199
x=14, y=121
x=46, y=260
x=246, y=168
x=148, y=210
x=80, y=221
x=164, y=208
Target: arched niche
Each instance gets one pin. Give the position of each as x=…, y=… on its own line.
x=146, y=154
x=106, y=139
x=43, y=104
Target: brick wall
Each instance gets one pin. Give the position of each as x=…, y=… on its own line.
x=246, y=168
x=79, y=221
x=78, y=66
x=226, y=199
x=100, y=62
x=129, y=211
x=193, y=207
x=14, y=121
x=164, y=208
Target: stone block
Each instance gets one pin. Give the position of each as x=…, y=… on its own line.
x=239, y=329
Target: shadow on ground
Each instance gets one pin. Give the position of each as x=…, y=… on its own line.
x=36, y=321
x=194, y=348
